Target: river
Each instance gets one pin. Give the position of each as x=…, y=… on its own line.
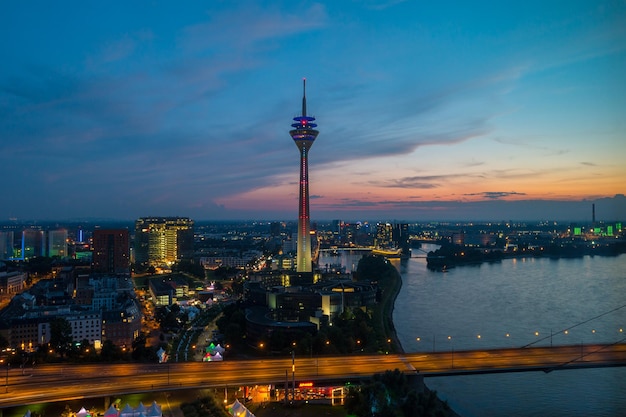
x=513, y=303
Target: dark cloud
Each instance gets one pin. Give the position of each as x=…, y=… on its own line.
x=494, y=195
x=418, y=182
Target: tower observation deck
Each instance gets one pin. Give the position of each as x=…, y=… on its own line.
x=304, y=134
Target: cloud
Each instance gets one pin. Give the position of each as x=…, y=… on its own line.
x=117, y=50
x=418, y=182
x=223, y=30
x=495, y=195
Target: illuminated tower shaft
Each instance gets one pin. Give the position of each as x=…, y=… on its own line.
x=304, y=135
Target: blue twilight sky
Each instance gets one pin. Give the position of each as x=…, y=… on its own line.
x=426, y=110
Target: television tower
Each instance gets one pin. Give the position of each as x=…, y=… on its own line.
x=304, y=135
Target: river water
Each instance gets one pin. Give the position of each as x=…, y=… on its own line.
x=513, y=303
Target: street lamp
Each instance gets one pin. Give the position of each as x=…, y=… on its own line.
x=452, y=351
x=293, y=374
x=7, y=378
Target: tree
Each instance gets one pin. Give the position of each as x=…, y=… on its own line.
x=390, y=394
x=190, y=267
x=61, y=335
x=3, y=342
x=110, y=352
x=372, y=268
x=39, y=265
x=141, y=352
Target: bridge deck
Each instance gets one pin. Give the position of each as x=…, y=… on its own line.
x=58, y=382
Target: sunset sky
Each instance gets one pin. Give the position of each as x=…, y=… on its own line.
x=426, y=110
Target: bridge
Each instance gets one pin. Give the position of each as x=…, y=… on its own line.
x=62, y=382
x=415, y=252
x=349, y=248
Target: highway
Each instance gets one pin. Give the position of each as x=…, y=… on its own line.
x=46, y=383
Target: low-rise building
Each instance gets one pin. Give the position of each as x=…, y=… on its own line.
x=104, y=308
x=166, y=291
x=12, y=283
x=294, y=302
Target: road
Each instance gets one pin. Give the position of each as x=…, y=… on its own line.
x=72, y=381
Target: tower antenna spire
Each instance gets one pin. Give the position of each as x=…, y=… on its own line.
x=304, y=96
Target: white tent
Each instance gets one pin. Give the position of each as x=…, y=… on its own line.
x=162, y=355
x=82, y=412
x=239, y=410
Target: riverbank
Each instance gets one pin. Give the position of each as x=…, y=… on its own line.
x=390, y=294
x=391, y=287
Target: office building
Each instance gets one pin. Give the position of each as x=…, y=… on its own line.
x=57, y=243
x=6, y=244
x=111, y=251
x=162, y=241
x=32, y=244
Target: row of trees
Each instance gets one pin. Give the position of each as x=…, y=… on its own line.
x=450, y=255
x=393, y=395
x=204, y=407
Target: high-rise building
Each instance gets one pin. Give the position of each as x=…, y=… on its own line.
x=6, y=244
x=57, y=243
x=33, y=243
x=161, y=241
x=304, y=135
x=111, y=251
x=384, y=235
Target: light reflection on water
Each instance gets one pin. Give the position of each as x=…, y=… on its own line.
x=519, y=298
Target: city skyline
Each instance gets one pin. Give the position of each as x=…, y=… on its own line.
x=430, y=112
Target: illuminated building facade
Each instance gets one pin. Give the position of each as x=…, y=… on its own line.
x=384, y=235
x=162, y=241
x=33, y=244
x=304, y=135
x=57, y=243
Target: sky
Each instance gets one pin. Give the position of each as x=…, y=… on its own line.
x=481, y=110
